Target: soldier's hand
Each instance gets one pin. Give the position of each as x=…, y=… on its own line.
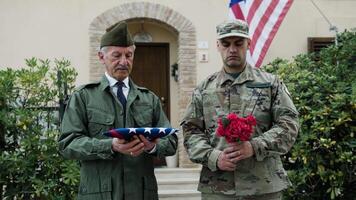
x=239, y=151
x=224, y=163
x=149, y=145
x=134, y=148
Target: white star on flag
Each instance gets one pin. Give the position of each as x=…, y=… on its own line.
x=148, y=130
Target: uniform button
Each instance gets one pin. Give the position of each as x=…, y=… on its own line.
x=105, y=186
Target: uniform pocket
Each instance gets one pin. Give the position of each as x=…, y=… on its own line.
x=212, y=108
x=142, y=115
x=99, y=121
x=92, y=185
x=213, y=101
x=257, y=97
x=257, y=101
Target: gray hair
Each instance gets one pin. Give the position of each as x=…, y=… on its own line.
x=105, y=49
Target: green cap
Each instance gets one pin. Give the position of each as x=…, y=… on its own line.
x=117, y=35
x=233, y=27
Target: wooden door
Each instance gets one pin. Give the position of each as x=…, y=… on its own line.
x=151, y=70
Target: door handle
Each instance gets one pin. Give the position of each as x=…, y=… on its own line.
x=163, y=101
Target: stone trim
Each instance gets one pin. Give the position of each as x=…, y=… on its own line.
x=186, y=44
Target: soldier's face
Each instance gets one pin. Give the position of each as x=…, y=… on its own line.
x=233, y=52
x=117, y=60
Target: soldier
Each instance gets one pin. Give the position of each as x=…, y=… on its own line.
x=241, y=170
x=114, y=168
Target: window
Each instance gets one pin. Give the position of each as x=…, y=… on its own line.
x=315, y=44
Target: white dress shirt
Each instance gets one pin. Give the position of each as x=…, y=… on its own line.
x=114, y=88
x=125, y=90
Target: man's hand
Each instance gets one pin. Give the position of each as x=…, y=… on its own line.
x=149, y=145
x=239, y=151
x=224, y=163
x=133, y=148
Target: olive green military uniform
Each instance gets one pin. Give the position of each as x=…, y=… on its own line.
x=94, y=109
x=254, y=92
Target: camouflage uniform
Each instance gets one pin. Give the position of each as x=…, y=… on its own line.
x=256, y=92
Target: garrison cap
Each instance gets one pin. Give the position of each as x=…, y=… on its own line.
x=235, y=27
x=117, y=35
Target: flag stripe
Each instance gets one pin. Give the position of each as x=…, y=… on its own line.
x=264, y=18
x=237, y=12
x=266, y=33
x=274, y=31
x=262, y=23
x=255, y=5
x=253, y=25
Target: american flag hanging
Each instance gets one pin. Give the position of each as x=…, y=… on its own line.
x=264, y=18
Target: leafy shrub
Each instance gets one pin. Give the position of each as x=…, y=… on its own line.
x=31, y=167
x=322, y=163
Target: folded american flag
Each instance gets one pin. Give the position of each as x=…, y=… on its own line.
x=149, y=133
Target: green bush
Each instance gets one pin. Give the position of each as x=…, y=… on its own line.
x=31, y=167
x=322, y=162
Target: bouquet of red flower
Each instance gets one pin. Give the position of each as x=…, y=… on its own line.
x=235, y=128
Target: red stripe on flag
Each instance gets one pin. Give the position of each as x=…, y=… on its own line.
x=261, y=25
x=255, y=5
x=236, y=9
x=273, y=32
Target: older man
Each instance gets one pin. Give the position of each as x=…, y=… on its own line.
x=240, y=170
x=114, y=168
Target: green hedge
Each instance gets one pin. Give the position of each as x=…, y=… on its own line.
x=322, y=162
x=31, y=167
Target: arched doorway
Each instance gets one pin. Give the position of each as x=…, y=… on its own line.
x=186, y=57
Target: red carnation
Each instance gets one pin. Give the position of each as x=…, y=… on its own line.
x=235, y=128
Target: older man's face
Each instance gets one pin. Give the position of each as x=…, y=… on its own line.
x=117, y=60
x=233, y=53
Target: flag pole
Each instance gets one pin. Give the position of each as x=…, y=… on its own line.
x=332, y=27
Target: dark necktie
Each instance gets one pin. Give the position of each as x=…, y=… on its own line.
x=120, y=94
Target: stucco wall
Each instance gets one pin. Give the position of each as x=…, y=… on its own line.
x=303, y=20
x=57, y=28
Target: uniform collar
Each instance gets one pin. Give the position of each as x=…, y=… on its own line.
x=112, y=81
x=246, y=75
x=104, y=84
